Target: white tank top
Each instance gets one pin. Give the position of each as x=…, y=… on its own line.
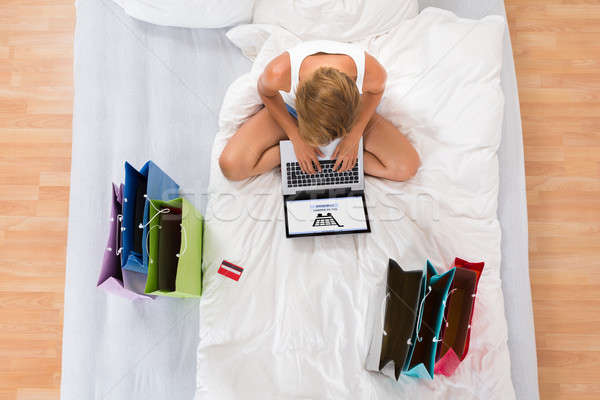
x=305, y=49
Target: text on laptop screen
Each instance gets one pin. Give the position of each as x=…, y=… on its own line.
x=338, y=214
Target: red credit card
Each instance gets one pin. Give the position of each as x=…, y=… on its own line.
x=230, y=270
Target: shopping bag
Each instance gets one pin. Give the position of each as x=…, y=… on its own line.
x=426, y=336
x=394, y=324
x=169, y=245
x=148, y=183
x=456, y=329
x=113, y=279
x=174, y=244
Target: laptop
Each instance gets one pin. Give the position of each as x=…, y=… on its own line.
x=324, y=203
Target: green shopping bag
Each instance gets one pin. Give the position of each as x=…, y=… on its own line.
x=184, y=264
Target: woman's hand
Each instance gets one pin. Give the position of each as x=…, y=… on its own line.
x=346, y=153
x=307, y=156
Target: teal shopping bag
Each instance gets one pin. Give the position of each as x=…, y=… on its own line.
x=421, y=360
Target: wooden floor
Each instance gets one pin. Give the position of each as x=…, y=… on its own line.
x=557, y=53
x=36, y=40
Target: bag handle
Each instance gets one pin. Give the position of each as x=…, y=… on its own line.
x=419, y=320
x=178, y=255
x=147, y=244
x=119, y=229
x=158, y=211
x=444, y=304
x=421, y=309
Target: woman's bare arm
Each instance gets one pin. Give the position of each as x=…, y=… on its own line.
x=346, y=153
x=373, y=87
x=274, y=78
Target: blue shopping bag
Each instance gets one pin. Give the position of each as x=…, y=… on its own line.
x=148, y=183
x=421, y=359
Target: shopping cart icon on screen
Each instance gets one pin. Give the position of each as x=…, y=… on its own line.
x=326, y=220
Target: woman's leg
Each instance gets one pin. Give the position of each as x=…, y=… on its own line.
x=253, y=149
x=388, y=154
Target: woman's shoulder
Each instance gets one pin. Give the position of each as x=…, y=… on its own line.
x=375, y=75
x=276, y=75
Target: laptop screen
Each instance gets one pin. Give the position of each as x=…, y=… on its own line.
x=321, y=216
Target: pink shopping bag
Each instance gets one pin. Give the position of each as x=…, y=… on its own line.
x=458, y=315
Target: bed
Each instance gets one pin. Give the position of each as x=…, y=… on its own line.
x=134, y=81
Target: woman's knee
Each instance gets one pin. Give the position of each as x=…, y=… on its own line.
x=403, y=170
x=231, y=165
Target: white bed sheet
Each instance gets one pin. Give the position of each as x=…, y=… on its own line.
x=299, y=321
x=512, y=211
x=136, y=81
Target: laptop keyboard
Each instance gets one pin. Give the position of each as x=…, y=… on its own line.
x=327, y=176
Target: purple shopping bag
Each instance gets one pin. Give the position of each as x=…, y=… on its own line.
x=113, y=278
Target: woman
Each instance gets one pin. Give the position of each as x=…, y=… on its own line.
x=314, y=93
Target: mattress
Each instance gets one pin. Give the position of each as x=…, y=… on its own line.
x=140, y=89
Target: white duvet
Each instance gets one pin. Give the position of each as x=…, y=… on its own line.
x=298, y=323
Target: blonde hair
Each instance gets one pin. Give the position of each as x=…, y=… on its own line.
x=327, y=105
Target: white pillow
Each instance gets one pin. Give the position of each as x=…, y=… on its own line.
x=190, y=13
x=250, y=38
x=342, y=20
